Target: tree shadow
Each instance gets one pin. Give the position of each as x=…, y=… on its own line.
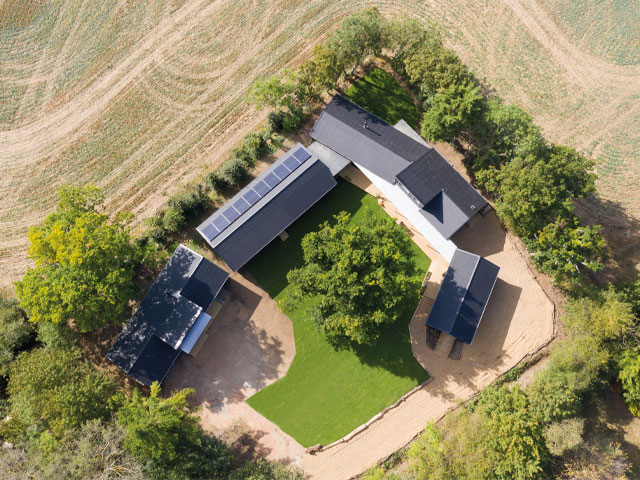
x=606, y=416
x=622, y=233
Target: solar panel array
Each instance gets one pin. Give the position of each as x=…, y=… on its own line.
x=253, y=193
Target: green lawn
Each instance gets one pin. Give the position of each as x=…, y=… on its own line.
x=327, y=392
x=382, y=95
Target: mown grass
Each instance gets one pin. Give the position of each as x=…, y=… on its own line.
x=327, y=392
x=382, y=95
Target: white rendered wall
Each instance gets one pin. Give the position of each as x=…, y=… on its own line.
x=411, y=211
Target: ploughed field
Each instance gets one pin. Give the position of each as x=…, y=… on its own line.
x=139, y=97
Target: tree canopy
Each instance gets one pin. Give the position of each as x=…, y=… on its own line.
x=164, y=432
x=362, y=274
x=15, y=332
x=52, y=390
x=84, y=264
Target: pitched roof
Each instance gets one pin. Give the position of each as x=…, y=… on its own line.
x=398, y=157
x=432, y=174
x=149, y=343
x=364, y=138
x=273, y=212
x=463, y=295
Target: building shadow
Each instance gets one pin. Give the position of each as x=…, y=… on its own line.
x=485, y=237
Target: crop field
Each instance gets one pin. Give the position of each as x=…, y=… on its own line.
x=140, y=97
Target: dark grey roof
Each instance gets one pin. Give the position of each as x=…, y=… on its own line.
x=252, y=198
x=432, y=174
x=463, y=295
x=276, y=215
x=185, y=287
x=380, y=147
x=397, y=157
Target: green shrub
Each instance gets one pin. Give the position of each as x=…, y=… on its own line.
x=292, y=120
x=256, y=145
x=564, y=435
x=264, y=470
x=575, y=367
x=275, y=120
x=216, y=182
x=173, y=220
x=51, y=389
x=233, y=171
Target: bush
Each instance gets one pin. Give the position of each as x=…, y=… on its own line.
x=233, y=172
x=275, y=120
x=596, y=462
x=189, y=202
x=564, y=435
x=56, y=335
x=216, y=182
x=292, y=120
x=264, y=470
x=173, y=220
x=256, y=145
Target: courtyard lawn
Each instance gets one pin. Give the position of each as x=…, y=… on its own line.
x=327, y=393
x=383, y=96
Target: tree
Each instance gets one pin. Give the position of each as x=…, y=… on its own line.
x=507, y=132
x=52, y=390
x=84, y=264
x=454, y=110
x=514, y=437
x=532, y=192
x=323, y=69
x=563, y=247
x=362, y=274
x=165, y=433
x=574, y=368
x=15, y=332
x=607, y=318
x=360, y=35
x=431, y=68
x=276, y=91
x=454, y=450
x=629, y=376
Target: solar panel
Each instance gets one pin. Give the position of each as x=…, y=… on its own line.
x=271, y=180
x=221, y=223
x=231, y=214
x=251, y=197
x=210, y=231
x=261, y=188
x=282, y=172
x=301, y=154
x=291, y=163
x=241, y=206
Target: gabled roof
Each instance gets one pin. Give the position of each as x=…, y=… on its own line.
x=150, y=341
x=397, y=157
x=273, y=211
x=463, y=295
x=366, y=139
x=432, y=174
